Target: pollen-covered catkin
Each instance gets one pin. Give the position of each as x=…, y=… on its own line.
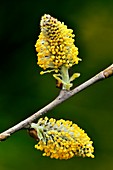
x=55, y=45
x=56, y=50
x=62, y=139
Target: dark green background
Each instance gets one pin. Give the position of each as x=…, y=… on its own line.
x=23, y=90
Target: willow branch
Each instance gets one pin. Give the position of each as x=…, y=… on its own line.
x=63, y=95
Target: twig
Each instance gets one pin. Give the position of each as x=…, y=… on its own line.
x=63, y=95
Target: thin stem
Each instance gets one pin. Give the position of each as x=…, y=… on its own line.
x=65, y=77
x=63, y=95
x=65, y=74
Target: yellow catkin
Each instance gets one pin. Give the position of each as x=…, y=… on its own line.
x=62, y=139
x=55, y=45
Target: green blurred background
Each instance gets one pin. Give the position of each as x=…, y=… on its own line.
x=23, y=90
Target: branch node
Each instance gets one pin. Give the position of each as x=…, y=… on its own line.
x=108, y=72
x=4, y=136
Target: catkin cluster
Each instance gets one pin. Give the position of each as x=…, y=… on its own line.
x=62, y=139
x=55, y=45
